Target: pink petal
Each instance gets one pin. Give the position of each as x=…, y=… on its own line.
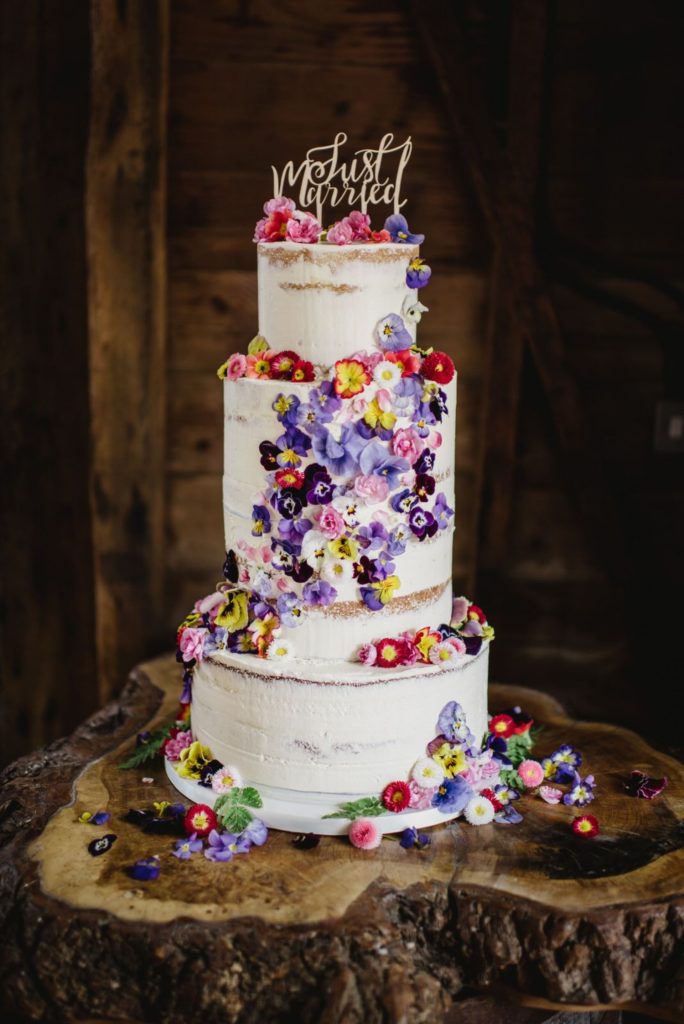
x=550, y=794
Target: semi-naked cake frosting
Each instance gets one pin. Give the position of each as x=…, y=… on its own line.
x=322, y=662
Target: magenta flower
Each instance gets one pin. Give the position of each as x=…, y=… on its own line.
x=642, y=785
x=303, y=227
x=364, y=834
x=360, y=226
x=341, y=233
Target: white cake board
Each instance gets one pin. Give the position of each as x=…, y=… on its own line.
x=292, y=811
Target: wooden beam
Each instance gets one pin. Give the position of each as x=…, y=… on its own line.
x=126, y=211
x=529, y=309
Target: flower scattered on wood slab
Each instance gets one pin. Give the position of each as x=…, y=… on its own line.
x=586, y=825
x=101, y=845
x=644, y=786
x=146, y=869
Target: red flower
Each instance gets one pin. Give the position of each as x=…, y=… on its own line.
x=275, y=228
x=183, y=712
x=394, y=651
x=502, y=725
x=381, y=236
x=586, y=826
x=406, y=360
x=489, y=794
x=475, y=612
x=200, y=819
x=395, y=797
x=303, y=371
x=438, y=366
x=289, y=478
x=283, y=364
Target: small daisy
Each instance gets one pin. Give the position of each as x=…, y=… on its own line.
x=279, y=650
x=225, y=779
x=386, y=374
x=532, y=773
x=338, y=570
x=479, y=811
x=427, y=773
x=443, y=652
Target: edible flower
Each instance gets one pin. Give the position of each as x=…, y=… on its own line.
x=233, y=614
x=257, y=344
x=586, y=825
x=451, y=759
x=411, y=839
x=351, y=377
x=642, y=785
x=392, y=334
x=199, y=820
x=501, y=725
x=303, y=227
x=364, y=834
x=192, y=760
x=452, y=724
x=145, y=870
x=261, y=520
x=186, y=847
x=427, y=773
x=101, y=845
x=418, y=273
x=283, y=363
x=225, y=779
x=550, y=794
x=273, y=227
x=223, y=846
x=376, y=595
x=279, y=650
x=479, y=811
x=531, y=772
x=438, y=366
x=233, y=368
x=393, y=651
x=452, y=795
x=396, y=796
x=582, y=792
x=424, y=641
x=258, y=367
x=303, y=371
x=398, y=229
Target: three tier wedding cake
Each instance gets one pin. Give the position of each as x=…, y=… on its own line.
x=333, y=657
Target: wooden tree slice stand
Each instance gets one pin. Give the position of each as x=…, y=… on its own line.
x=332, y=934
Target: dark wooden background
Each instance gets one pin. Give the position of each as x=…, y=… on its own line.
x=548, y=176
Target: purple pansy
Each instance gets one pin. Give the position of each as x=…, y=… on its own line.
x=452, y=724
x=223, y=846
x=261, y=520
x=425, y=463
x=424, y=486
x=452, y=795
x=256, y=832
x=292, y=446
x=371, y=598
x=404, y=501
x=366, y=570
x=417, y=274
x=398, y=229
x=582, y=792
x=339, y=455
x=269, y=455
x=186, y=847
x=293, y=530
x=566, y=761
x=321, y=488
x=396, y=543
x=319, y=592
x=100, y=818
x=392, y=334
x=384, y=566
x=506, y=794
x=285, y=408
x=371, y=537
x=411, y=838
x=283, y=555
x=441, y=511
x=375, y=458
x=241, y=642
x=508, y=815
x=216, y=640
x=288, y=503
x=145, y=870
x=325, y=401
x=289, y=609
x=422, y=523
x=186, y=692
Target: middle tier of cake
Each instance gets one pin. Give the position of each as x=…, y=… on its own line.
x=277, y=535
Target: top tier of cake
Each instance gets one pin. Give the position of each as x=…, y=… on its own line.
x=325, y=301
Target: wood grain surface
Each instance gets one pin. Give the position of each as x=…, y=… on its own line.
x=333, y=934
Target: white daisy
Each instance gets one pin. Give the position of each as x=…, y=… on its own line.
x=479, y=811
x=442, y=653
x=427, y=773
x=386, y=374
x=279, y=650
x=337, y=570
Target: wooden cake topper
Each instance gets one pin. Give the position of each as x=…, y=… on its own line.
x=324, y=180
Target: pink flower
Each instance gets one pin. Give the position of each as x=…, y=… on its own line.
x=191, y=643
x=303, y=227
x=360, y=225
x=532, y=773
x=244, y=575
x=372, y=488
x=236, y=366
x=330, y=522
x=406, y=444
x=340, y=233
x=421, y=798
x=550, y=794
x=368, y=654
x=364, y=834
x=174, y=746
x=459, y=610
x=279, y=204
x=210, y=604
x=369, y=359
x=456, y=642
x=283, y=585
x=258, y=367
x=225, y=779
x=433, y=440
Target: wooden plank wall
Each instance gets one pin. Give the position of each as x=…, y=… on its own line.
x=259, y=83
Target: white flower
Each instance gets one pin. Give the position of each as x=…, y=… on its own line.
x=314, y=547
x=413, y=311
x=279, y=650
x=348, y=507
x=427, y=773
x=442, y=653
x=479, y=811
x=337, y=570
x=386, y=374
x=225, y=779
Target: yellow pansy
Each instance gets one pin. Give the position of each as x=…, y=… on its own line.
x=344, y=547
x=193, y=759
x=385, y=588
x=451, y=760
x=282, y=403
x=374, y=415
x=233, y=614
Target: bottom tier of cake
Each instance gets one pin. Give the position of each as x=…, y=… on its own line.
x=329, y=727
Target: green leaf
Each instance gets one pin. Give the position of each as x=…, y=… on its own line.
x=146, y=751
x=227, y=800
x=510, y=777
x=234, y=818
x=517, y=748
x=366, y=807
x=250, y=796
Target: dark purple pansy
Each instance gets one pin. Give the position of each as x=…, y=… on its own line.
x=99, y=846
x=424, y=486
x=411, y=838
x=422, y=523
x=100, y=818
x=208, y=772
x=289, y=503
x=321, y=490
x=306, y=841
x=301, y=571
x=438, y=405
x=365, y=570
x=145, y=870
x=269, y=455
x=230, y=567
x=425, y=463
x=399, y=231
x=186, y=692
x=644, y=786
x=283, y=555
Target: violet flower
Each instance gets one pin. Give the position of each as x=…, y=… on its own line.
x=398, y=229
x=321, y=490
x=508, y=815
x=145, y=870
x=404, y=501
x=644, y=786
x=396, y=544
x=422, y=523
x=223, y=846
x=371, y=537
x=256, y=832
x=289, y=609
x=392, y=334
x=286, y=408
x=294, y=531
x=452, y=795
x=288, y=503
x=319, y=592
x=261, y=520
x=582, y=792
x=186, y=847
x=411, y=838
x=425, y=463
x=325, y=401
x=340, y=456
x=442, y=512
x=292, y=445
x=418, y=274
x=375, y=458
x=452, y=724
